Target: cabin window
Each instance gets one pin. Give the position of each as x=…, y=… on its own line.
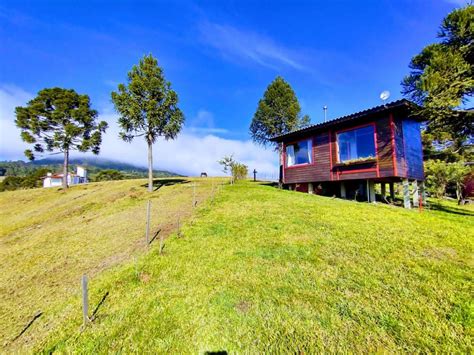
x=299, y=153
x=356, y=144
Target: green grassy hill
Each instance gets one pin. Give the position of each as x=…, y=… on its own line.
x=258, y=270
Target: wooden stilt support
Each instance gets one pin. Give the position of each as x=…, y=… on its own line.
x=371, y=191
x=406, y=193
x=392, y=191
x=343, y=190
x=421, y=187
x=415, y=194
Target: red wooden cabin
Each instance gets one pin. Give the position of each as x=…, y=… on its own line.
x=347, y=156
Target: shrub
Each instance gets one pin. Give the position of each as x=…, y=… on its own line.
x=238, y=170
x=441, y=175
x=109, y=174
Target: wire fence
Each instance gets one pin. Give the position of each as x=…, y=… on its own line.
x=203, y=191
x=272, y=176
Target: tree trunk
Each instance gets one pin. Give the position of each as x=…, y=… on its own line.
x=65, y=168
x=280, y=165
x=150, y=166
x=459, y=195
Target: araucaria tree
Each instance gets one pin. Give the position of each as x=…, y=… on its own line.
x=60, y=121
x=442, y=77
x=148, y=107
x=278, y=112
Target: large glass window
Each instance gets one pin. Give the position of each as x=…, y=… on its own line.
x=299, y=153
x=356, y=144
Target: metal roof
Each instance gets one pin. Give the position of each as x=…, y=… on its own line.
x=342, y=119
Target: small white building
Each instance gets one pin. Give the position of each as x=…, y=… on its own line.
x=56, y=180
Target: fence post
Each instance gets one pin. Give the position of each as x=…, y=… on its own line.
x=85, y=299
x=194, y=194
x=147, y=231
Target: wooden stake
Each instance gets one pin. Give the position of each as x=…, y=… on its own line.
x=85, y=299
x=147, y=231
x=194, y=194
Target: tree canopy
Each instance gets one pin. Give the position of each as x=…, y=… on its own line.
x=441, y=79
x=58, y=121
x=148, y=107
x=278, y=112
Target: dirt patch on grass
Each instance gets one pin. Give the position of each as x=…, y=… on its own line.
x=145, y=278
x=439, y=253
x=243, y=306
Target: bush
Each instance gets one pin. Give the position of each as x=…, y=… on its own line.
x=441, y=175
x=238, y=170
x=109, y=174
x=32, y=180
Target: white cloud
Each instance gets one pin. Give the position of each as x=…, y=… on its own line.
x=190, y=154
x=203, y=123
x=203, y=118
x=237, y=45
x=10, y=143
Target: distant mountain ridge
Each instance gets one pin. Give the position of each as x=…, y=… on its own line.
x=93, y=164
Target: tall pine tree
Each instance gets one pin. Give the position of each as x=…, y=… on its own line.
x=58, y=121
x=278, y=112
x=442, y=78
x=148, y=107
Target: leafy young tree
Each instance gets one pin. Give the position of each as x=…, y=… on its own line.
x=440, y=174
x=60, y=120
x=442, y=77
x=278, y=112
x=227, y=162
x=148, y=107
x=237, y=170
x=436, y=177
x=457, y=173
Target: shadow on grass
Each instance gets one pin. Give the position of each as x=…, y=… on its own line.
x=267, y=183
x=434, y=206
x=94, y=313
x=159, y=183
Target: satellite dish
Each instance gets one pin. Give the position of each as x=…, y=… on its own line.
x=385, y=95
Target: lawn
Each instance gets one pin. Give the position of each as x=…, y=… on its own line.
x=50, y=237
x=266, y=270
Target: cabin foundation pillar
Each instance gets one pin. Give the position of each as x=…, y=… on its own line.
x=421, y=187
x=370, y=191
x=343, y=190
x=383, y=192
x=392, y=191
x=415, y=195
x=406, y=193
x=310, y=188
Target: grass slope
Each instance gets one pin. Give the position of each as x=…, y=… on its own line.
x=50, y=237
x=264, y=270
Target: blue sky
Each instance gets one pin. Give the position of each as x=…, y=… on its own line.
x=219, y=56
